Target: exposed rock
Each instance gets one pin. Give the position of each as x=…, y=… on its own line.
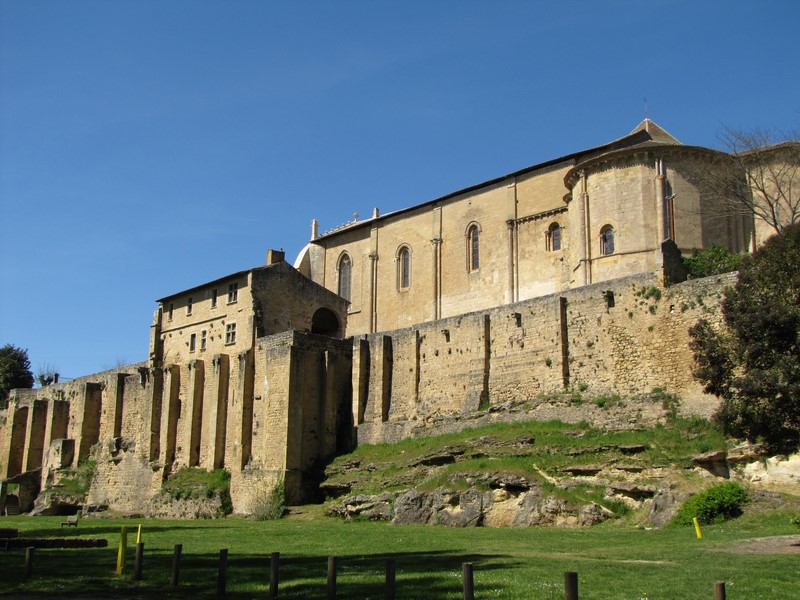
x=164, y=506
x=715, y=462
x=633, y=490
x=507, y=481
x=461, y=510
x=592, y=514
x=632, y=448
x=536, y=509
x=471, y=508
x=746, y=453
x=334, y=490
x=445, y=456
x=585, y=470
x=664, y=506
x=630, y=468
x=374, y=508
x=413, y=507
x=54, y=502
x=433, y=460
x=774, y=470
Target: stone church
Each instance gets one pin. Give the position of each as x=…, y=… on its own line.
x=512, y=289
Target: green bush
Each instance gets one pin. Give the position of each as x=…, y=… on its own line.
x=714, y=505
x=270, y=504
x=711, y=261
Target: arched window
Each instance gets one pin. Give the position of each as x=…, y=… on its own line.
x=607, y=240
x=473, y=247
x=345, y=276
x=554, y=237
x=404, y=268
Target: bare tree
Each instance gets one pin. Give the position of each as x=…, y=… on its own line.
x=46, y=374
x=763, y=176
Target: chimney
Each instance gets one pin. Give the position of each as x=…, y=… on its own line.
x=314, y=229
x=275, y=256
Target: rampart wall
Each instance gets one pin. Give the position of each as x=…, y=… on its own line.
x=279, y=409
x=628, y=336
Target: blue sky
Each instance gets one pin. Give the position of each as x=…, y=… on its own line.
x=149, y=146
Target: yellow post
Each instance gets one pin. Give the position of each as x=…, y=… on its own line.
x=697, y=528
x=122, y=551
x=139, y=535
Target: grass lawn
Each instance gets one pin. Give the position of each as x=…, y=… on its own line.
x=614, y=561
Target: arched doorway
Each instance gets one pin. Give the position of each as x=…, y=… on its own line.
x=325, y=322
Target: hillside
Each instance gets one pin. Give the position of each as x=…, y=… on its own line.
x=533, y=472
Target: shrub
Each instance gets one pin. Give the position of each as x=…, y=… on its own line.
x=270, y=504
x=711, y=261
x=714, y=505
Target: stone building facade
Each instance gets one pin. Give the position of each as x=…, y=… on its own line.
x=547, y=279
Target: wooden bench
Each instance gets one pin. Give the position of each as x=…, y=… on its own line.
x=71, y=521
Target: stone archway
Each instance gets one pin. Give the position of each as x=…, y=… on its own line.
x=326, y=322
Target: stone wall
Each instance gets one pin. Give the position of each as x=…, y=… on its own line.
x=279, y=410
x=628, y=336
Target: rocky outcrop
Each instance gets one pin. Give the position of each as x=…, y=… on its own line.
x=501, y=507
x=164, y=506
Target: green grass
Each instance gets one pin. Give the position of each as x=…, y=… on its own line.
x=613, y=562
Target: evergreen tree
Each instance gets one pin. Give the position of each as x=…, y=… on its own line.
x=15, y=371
x=753, y=363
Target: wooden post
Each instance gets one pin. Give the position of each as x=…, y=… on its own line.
x=331, y=578
x=28, y=562
x=571, y=585
x=469, y=588
x=719, y=590
x=222, y=575
x=176, y=565
x=274, y=560
x=390, y=579
x=137, y=565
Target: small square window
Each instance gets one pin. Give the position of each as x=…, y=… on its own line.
x=214, y=298
x=233, y=293
x=230, y=333
x=189, y=306
x=203, y=340
x=192, y=342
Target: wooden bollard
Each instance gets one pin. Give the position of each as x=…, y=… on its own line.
x=274, y=560
x=28, y=562
x=222, y=574
x=571, y=585
x=331, y=578
x=137, y=565
x=390, y=579
x=719, y=590
x=176, y=565
x=469, y=587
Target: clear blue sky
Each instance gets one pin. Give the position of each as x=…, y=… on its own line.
x=149, y=146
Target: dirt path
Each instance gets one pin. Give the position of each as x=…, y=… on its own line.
x=779, y=544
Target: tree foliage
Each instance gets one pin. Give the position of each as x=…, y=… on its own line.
x=15, y=371
x=711, y=261
x=753, y=363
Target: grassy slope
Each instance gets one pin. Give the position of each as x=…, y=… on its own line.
x=557, y=446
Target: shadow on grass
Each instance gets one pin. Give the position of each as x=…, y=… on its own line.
x=90, y=573
x=110, y=531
